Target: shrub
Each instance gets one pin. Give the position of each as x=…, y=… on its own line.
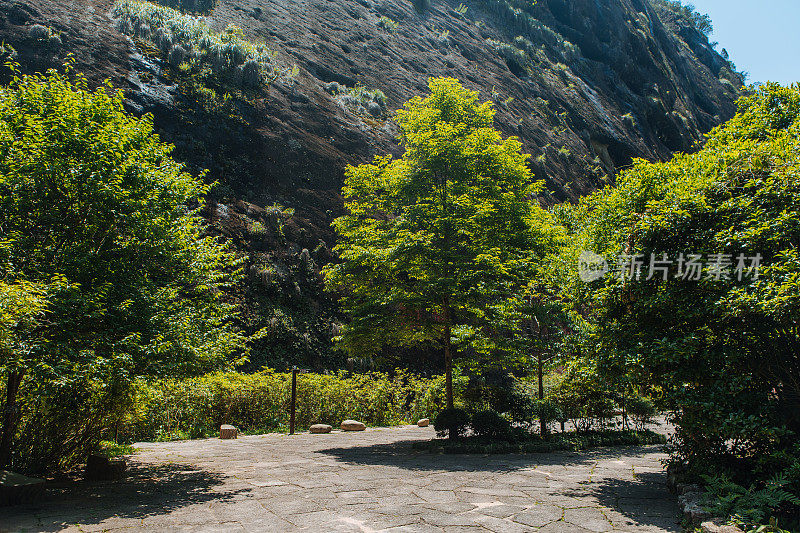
x=388, y=24
x=535, y=444
x=490, y=424
x=359, y=99
x=227, y=53
x=547, y=409
x=641, y=410
x=259, y=402
x=176, y=55
x=452, y=423
x=722, y=350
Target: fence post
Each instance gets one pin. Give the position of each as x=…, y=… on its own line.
x=294, y=400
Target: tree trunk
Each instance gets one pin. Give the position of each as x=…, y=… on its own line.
x=448, y=365
x=9, y=418
x=540, y=376
x=448, y=354
x=624, y=412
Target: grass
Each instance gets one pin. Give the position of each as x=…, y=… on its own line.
x=532, y=443
x=111, y=449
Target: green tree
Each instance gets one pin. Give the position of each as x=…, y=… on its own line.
x=722, y=349
x=435, y=239
x=104, y=271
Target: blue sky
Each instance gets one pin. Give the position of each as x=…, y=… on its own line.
x=761, y=36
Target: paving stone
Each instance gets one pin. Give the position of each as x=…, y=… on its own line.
x=589, y=518
x=368, y=482
x=539, y=515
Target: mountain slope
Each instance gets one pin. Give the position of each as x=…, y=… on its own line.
x=586, y=84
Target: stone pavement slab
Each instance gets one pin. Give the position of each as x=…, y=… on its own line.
x=365, y=482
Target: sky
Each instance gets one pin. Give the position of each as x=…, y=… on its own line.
x=761, y=36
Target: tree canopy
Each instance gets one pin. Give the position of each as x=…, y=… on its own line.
x=721, y=346
x=433, y=240
x=104, y=272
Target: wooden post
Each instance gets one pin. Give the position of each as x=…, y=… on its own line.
x=294, y=400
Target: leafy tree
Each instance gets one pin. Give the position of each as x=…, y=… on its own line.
x=104, y=273
x=435, y=239
x=724, y=349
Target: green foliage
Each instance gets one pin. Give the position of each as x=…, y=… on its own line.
x=112, y=449
x=547, y=409
x=105, y=274
x=749, y=505
x=491, y=425
x=685, y=14
x=225, y=56
x=387, y=23
x=286, y=299
x=518, y=19
x=361, y=100
x=641, y=410
x=434, y=239
x=452, y=423
x=256, y=403
x=722, y=351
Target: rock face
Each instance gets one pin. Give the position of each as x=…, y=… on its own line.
x=99, y=468
x=423, y=422
x=606, y=81
x=18, y=489
x=585, y=85
x=320, y=428
x=353, y=425
x=226, y=431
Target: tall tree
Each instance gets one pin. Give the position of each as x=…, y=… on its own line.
x=435, y=239
x=98, y=241
x=713, y=320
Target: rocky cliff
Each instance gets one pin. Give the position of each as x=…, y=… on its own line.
x=587, y=85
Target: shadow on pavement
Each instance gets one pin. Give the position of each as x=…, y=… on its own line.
x=401, y=454
x=146, y=491
x=643, y=501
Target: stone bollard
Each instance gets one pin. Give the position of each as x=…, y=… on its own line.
x=353, y=425
x=226, y=431
x=320, y=428
x=99, y=468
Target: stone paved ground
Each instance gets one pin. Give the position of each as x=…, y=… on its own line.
x=361, y=482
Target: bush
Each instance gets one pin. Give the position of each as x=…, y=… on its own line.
x=388, y=24
x=491, y=425
x=227, y=53
x=641, y=410
x=721, y=350
x=452, y=423
x=547, y=409
x=259, y=402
